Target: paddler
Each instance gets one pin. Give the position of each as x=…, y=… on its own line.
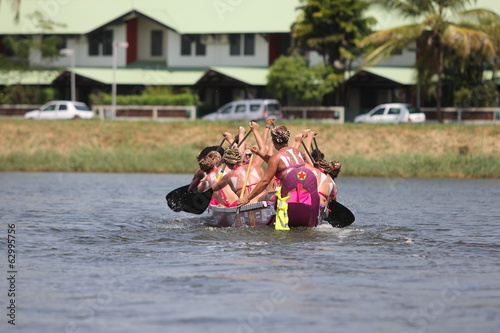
x=279, y=164
x=224, y=197
x=235, y=179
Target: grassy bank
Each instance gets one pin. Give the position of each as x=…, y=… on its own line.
x=403, y=150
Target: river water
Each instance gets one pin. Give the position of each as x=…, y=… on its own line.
x=103, y=253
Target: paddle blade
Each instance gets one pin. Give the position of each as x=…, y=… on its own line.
x=339, y=215
x=182, y=200
x=174, y=198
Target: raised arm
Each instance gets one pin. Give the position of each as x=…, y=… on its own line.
x=271, y=170
x=241, y=135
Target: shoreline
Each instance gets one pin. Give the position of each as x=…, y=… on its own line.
x=404, y=150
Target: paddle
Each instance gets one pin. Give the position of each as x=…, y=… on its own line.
x=183, y=200
x=339, y=216
x=244, y=187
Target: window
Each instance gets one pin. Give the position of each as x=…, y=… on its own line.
x=254, y=107
x=156, y=43
x=51, y=107
x=249, y=44
x=107, y=43
x=185, y=45
x=413, y=109
x=63, y=107
x=394, y=111
x=240, y=108
x=234, y=45
x=378, y=112
x=82, y=107
x=226, y=110
x=201, y=49
x=94, y=41
x=273, y=107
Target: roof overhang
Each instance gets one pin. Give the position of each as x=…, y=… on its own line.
x=234, y=76
x=137, y=76
x=30, y=78
x=405, y=76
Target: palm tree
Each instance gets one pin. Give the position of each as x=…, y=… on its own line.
x=446, y=27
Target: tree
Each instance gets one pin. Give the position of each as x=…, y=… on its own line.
x=292, y=76
x=443, y=28
x=332, y=28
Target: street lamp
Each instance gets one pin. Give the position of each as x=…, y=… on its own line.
x=71, y=53
x=116, y=45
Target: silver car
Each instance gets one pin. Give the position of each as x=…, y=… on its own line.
x=392, y=113
x=247, y=109
x=61, y=110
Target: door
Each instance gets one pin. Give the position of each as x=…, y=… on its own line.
x=377, y=116
x=240, y=112
x=393, y=115
x=63, y=112
x=225, y=113
x=48, y=112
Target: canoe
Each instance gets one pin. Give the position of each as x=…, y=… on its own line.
x=303, y=205
x=257, y=214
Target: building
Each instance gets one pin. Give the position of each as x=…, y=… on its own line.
x=221, y=48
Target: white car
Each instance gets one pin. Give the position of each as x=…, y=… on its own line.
x=392, y=113
x=61, y=110
x=247, y=109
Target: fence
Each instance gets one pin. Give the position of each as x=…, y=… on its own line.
x=17, y=110
x=132, y=112
x=140, y=112
x=333, y=114
x=464, y=115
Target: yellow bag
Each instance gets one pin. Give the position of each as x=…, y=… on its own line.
x=281, y=211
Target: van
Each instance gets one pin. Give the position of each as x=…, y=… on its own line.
x=247, y=110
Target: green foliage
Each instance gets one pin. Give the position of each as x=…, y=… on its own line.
x=480, y=95
x=292, y=75
x=445, y=33
x=150, y=96
x=20, y=94
x=332, y=28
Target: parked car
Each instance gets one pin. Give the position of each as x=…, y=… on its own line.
x=61, y=110
x=247, y=109
x=392, y=113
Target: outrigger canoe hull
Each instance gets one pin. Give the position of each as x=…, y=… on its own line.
x=303, y=205
x=256, y=214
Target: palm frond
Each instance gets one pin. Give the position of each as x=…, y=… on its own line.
x=382, y=52
x=407, y=8
x=465, y=40
x=402, y=34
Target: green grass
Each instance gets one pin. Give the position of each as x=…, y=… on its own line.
x=445, y=165
x=406, y=150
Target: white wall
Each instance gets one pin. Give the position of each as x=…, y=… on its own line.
x=216, y=54
x=145, y=26
x=82, y=58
